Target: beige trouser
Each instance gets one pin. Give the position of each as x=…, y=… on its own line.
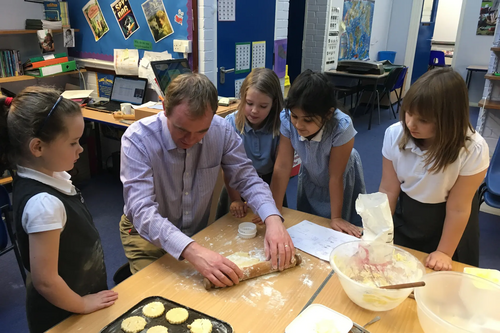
x=138, y=251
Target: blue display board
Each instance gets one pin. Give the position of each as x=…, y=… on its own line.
x=178, y=11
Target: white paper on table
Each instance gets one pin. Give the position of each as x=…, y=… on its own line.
x=317, y=240
x=73, y=94
x=126, y=61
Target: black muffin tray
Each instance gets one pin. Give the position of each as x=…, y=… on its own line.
x=219, y=326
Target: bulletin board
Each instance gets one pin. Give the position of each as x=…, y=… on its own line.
x=179, y=13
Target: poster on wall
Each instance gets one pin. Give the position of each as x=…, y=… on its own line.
x=125, y=17
x=280, y=47
x=93, y=14
x=358, y=19
x=487, y=18
x=157, y=18
x=69, y=37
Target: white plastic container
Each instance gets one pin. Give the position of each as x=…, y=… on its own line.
x=317, y=315
x=350, y=261
x=453, y=302
x=247, y=230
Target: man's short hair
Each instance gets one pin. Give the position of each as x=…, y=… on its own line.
x=195, y=89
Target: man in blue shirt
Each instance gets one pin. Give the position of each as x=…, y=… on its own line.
x=169, y=167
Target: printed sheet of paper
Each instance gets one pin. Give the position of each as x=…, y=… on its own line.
x=237, y=87
x=317, y=240
x=259, y=54
x=242, y=57
x=226, y=10
x=126, y=62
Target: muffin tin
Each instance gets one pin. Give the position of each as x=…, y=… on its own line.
x=219, y=326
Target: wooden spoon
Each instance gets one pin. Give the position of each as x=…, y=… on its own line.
x=404, y=285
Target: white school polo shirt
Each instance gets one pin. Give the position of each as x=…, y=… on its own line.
x=43, y=211
x=415, y=179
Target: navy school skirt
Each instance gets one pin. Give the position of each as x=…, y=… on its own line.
x=419, y=226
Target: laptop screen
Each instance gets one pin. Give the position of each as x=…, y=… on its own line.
x=167, y=70
x=127, y=90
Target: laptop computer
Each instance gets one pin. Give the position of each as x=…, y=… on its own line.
x=167, y=70
x=126, y=89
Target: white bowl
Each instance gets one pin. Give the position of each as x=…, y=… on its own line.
x=247, y=230
x=363, y=267
x=453, y=302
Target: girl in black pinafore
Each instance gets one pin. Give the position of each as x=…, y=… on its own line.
x=434, y=162
x=59, y=243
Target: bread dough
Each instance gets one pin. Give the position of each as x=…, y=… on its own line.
x=157, y=329
x=177, y=315
x=153, y=309
x=325, y=326
x=201, y=326
x=242, y=259
x=133, y=324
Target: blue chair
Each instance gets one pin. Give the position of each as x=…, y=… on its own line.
x=489, y=191
x=399, y=85
x=436, y=59
x=7, y=230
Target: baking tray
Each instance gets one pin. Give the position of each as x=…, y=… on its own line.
x=219, y=326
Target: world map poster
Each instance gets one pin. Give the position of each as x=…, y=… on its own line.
x=355, y=40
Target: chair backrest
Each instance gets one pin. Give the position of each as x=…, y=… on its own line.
x=437, y=59
x=493, y=176
x=401, y=79
x=392, y=78
x=4, y=208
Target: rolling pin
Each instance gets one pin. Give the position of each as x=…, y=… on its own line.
x=121, y=115
x=256, y=270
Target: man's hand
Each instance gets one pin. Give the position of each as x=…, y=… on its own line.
x=238, y=208
x=97, y=301
x=221, y=271
x=277, y=243
x=339, y=224
x=438, y=261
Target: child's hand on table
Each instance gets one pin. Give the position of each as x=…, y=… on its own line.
x=100, y=300
x=339, y=224
x=238, y=208
x=438, y=261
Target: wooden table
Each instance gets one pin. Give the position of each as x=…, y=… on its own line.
x=264, y=304
x=473, y=68
x=401, y=319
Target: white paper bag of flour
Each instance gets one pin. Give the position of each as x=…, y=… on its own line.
x=376, y=214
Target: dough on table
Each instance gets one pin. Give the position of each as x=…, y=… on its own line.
x=242, y=259
x=201, y=326
x=157, y=329
x=153, y=309
x=177, y=315
x=133, y=324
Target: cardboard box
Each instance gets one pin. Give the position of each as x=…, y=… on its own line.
x=145, y=112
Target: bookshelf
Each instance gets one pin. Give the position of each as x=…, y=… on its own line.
x=493, y=105
x=24, y=32
x=28, y=77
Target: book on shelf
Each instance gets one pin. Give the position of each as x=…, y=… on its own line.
x=10, y=63
x=57, y=11
x=54, y=61
x=51, y=70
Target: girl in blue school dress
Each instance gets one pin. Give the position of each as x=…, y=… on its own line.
x=59, y=244
x=331, y=174
x=257, y=122
x=433, y=164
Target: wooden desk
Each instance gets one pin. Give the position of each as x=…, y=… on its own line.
x=265, y=304
x=401, y=319
x=473, y=68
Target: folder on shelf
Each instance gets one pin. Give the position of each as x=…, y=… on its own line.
x=51, y=70
x=49, y=62
x=48, y=56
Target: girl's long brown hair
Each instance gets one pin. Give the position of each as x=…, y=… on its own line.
x=439, y=96
x=267, y=82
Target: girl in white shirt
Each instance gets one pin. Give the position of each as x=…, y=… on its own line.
x=434, y=162
x=59, y=244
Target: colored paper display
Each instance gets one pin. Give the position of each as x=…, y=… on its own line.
x=157, y=18
x=125, y=17
x=280, y=57
x=93, y=13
